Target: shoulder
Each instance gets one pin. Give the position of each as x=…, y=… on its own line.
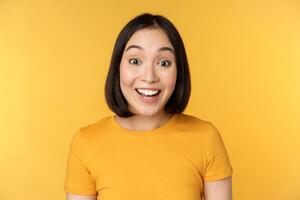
x=201, y=128
x=192, y=121
x=93, y=129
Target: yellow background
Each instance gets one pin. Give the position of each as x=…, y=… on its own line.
x=244, y=58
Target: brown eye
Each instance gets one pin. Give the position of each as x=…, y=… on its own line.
x=165, y=63
x=134, y=61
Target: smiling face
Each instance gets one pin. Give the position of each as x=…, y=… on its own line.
x=148, y=62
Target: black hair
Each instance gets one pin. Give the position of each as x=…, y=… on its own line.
x=181, y=94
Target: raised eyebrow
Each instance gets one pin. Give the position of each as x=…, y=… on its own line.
x=134, y=46
x=166, y=49
x=160, y=49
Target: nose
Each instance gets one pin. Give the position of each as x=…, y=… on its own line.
x=149, y=74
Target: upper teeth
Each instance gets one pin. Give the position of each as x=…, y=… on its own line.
x=148, y=92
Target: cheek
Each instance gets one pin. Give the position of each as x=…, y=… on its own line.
x=127, y=76
x=169, y=79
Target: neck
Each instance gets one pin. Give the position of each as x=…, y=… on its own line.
x=144, y=122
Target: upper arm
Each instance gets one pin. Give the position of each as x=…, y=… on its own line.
x=78, y=177
x=81, y=197
x=218, y=190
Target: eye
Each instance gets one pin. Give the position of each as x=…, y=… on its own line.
x=134, y=61
x=165, y=63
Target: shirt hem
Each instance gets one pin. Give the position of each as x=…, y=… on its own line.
x=80, y=191
x=218, y=176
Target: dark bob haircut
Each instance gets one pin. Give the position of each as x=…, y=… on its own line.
x=181, y=94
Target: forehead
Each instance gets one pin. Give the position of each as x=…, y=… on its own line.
x=150, y=39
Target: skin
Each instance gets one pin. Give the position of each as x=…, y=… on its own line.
x=148, y=67
x=80, y=197
x=218, y=190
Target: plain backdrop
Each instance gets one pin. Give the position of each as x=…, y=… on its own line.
x=244, y=59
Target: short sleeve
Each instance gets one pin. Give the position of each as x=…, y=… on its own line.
x=78, y=179
x=218, y=165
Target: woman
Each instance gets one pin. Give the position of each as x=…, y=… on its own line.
x=149, y=149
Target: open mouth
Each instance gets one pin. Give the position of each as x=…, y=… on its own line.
x=149, y=95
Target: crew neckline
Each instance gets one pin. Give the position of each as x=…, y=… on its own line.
x=155, y=131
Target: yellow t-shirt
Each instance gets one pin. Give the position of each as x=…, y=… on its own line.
x=169, y=162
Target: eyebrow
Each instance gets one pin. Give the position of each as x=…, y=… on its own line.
x=160, y=49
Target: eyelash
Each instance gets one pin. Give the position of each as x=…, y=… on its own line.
x=169, y=63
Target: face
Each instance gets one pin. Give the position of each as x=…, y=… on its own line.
x=148, y=65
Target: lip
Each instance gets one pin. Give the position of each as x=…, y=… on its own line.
x=148, y=100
